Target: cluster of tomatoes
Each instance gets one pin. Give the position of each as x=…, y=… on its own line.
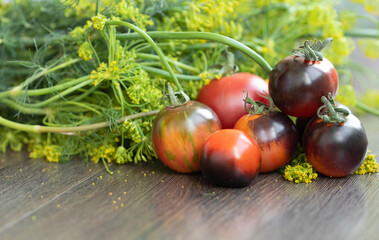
x=230, y=146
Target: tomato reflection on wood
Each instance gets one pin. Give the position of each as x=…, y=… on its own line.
x=275, y=134
x=297, y=83
x=225, y=95
x=179, y=132
x=230, y=158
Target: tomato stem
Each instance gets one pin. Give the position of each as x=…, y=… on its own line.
x=332, y=114
x=258, y=107
x=313, y=52
x=174, y=101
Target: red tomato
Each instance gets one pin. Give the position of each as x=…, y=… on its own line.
x=275, y=134
x=297, y=85
x=225, y=96
x=230, y=158
x=335, y=150
x=179, y=132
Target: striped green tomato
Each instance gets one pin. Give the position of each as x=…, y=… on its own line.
x=179, y=133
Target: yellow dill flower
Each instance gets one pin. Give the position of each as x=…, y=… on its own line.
x=105, y=151
x=368, y=166
x=333, y=29
x=299, y=170
x=122, y=155
x=77, y=32
x=370, y=47
x=85, y=51
x=52, y=153
x=126, y=10
x=346, y=95
x=339, y=49
x=99, y=21
x=36, y=151
x=347, y=19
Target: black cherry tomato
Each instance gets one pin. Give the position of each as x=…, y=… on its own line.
x=230, y=158
x=335, y=149
x=274, y=132
x=297, y=83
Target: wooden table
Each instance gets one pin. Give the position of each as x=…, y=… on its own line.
x=79, y=200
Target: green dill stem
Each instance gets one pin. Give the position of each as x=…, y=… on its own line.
x=60, y=95
x=85, y=94
x=106, y=166
x=26, y=110
x=364, y=33
x=167, y=74
x=205, y=36
x=144, y=35
x=84, y=105
x=49, y=90
x=16, y=90
x=367, y=108
x=72, y=130
x=179, y=64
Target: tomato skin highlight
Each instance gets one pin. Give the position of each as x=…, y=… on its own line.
x=179, y=132
x=296, y=85
x=335, y=150
x=230, y=158
x=225, y=96
x=275, y=134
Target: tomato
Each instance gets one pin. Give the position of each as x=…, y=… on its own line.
x=296, y=85
x=230, y=158
x=179, y=132
x=302, y=122
x=275, y=134
x=335, y=149
x=225, y=95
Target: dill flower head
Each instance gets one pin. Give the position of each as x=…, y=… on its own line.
x=99, y=21
x=368, y=166
x=370, y=47
x=346, y=95
x=85, y=51
x=300, y=170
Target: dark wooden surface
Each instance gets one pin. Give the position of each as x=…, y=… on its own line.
x=77, y=200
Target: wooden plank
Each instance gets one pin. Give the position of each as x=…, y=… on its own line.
x=27, y=185
x=166, y=205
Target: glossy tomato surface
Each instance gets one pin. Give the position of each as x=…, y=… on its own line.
x=225, y=95
x=230, y=158
x=296, y=85
x=275, y=134
x=335, y=150
x=179, y=132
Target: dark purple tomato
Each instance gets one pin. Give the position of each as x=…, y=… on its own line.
x=230, y=158
x=179, y=133
x=275, y=134
x=297, y=85
x=335, y=150
x=225, y=95
x=302, y=122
